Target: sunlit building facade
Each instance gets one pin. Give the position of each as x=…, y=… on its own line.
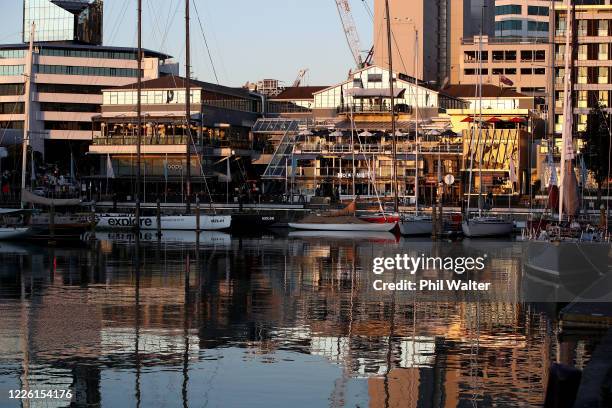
x=63, y=20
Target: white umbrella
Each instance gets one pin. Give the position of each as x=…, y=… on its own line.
x=306, y=133
x=365, y=133
x=399, y=134
x=336, y=133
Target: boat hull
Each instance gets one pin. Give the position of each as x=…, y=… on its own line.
x=415, y=227
x=475, y=229
x=168, y=222
x=13, y=233
x=343, y=227
x=252, y=222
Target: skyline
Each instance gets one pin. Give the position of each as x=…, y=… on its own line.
x=283, y=36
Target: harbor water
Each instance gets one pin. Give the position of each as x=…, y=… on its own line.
x=268, y=321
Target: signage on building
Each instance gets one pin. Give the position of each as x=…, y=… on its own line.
x=365, y=174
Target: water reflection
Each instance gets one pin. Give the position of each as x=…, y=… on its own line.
x=268, y=321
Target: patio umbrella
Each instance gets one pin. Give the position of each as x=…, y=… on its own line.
x=468, y=119
x=494, y=119
x=517, y=120
x=336, y=133
x=306, y=133
x=365, y=133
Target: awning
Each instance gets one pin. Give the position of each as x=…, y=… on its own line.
x=375, y=93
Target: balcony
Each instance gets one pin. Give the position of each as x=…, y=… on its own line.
x=373, y=108
x=380, y=148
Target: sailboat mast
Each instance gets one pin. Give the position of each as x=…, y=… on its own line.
x=188, y=109
x=392, y=95
x=26, y=123
x=566, y=141
x=480, y=115
x=416, y=122
x=138, y=116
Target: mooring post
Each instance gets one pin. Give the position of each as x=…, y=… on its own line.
x=158, y=216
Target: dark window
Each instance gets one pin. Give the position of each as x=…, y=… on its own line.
x=508, y=9
x=510, y=71
x=11, y=124
x=509, y=25
x=87, y=71
x=68, y=107
x=66, y=88
x=469, y=71
x=526, y=71
x=54, y=125
x=7, y=108
x=537, y=11
x=540, y=71
x=11, y=89
x=540, y=26
x=375, y=78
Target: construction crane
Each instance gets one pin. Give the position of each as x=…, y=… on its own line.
x=350, y=31
x=300, y=77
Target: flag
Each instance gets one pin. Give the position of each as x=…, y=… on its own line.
x=513, y=175
x=505, y=80
x=110, y=173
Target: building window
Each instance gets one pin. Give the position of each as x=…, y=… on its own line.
x=68, y=107
x=602, y=98
x=498, y=71
x=11, y=124
x=539, y=26
x=583, y=99
x=540, y=55
x=602, y=54
x=10, y=108
x=509, y=25
x=583, y=28
x=561, y=26
x=603, y=27
x=11, y=89
x=583, y=74
x=375, y=78
x=537, y=11
x=61, y=52
x=469, y=71
x=583, y=52
x=11, y=70
x=508, y=9
x=603, y=75
x=10, y=54
x=527, y=55
x=510, y=71
x=87, y=71
x=526, y=71
x=539, y=71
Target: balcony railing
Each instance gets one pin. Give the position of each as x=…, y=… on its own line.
x=402, y=148
x=146, y=140
x=373, y=108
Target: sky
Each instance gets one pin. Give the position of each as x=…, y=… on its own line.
x=248, y=39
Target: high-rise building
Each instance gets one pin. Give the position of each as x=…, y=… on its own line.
x=63, y=20
x=522, y=18
x=591, y=60
x=69, y=68
x=440, y=25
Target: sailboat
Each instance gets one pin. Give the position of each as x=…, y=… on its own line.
x=565, y=250
x=482, y=226
x=186, y=222
x=416, y=224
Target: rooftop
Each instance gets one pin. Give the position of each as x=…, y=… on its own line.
x=80, y=46
x=469, y=91
x=178, y=82
x=298, y=92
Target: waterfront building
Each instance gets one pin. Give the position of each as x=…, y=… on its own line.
x=69, y=70
x=501, y=149
x=344, y=147
x=441, y=26
x=221, y=120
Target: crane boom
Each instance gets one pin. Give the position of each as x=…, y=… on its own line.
x=298, y=80
x=350, y=30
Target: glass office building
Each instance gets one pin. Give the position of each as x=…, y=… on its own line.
x=62, y=20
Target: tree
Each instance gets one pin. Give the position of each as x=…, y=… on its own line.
x=597, y=139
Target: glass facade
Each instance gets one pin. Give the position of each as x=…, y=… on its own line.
x=508, y=9
x=11, y=70
x=153, y=97
x=8, y=54
x=62, y=20
x=65, y=52
x=88, y=71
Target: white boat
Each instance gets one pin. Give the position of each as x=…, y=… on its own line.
x=168, y=222
x=487, y=227
x=13, y=232
x=414, y=225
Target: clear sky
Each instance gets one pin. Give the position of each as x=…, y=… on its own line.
x=249, y=39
